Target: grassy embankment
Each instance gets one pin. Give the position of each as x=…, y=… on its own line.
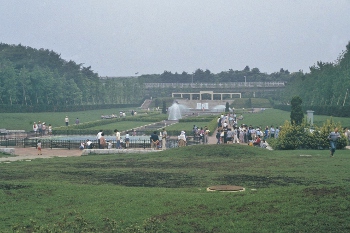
x=286, y=191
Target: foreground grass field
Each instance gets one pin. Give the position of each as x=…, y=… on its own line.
x=289, y=191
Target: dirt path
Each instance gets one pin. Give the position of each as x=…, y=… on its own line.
x=32, y=153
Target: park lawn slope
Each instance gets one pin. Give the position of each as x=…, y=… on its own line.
x=285, y=191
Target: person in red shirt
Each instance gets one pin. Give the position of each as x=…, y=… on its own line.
x=257, y=141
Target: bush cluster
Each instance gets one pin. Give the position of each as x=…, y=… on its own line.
x=301, y=136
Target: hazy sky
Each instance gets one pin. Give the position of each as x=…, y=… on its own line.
x=122, y=37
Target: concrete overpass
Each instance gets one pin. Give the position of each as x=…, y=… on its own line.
x=201, y=93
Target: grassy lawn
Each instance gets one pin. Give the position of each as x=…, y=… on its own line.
x=286, y=191
x=24, y=121
x=121, y=126
x=277, y=117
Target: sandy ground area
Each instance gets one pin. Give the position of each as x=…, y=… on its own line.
x=32, y=153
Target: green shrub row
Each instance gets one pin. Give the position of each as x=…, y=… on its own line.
x=204, y=118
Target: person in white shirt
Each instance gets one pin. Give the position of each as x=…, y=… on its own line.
x=88, y=144
x=182, y=139
x=66, y=120
x=98, y=137
x=117, y=138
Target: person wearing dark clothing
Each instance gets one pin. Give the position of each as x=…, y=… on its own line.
x=154, y=140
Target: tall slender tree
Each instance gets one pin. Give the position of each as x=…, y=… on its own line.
x=296, y=115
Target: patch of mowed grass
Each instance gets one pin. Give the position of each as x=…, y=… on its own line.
x=24, y=121
x=292, y=191
x=2, y=154
x=122, y=125
x=277, y=117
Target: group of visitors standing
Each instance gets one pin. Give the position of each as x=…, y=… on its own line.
x=229, y=131
x=41, y=128
x=201, y=133
x=159, y=142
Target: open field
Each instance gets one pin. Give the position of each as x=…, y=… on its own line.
x=24, y=121
x=277, y=117
x=285, y=191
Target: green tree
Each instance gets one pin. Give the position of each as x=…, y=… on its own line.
x=227, y=108
x=164, y=107
x=296, y=114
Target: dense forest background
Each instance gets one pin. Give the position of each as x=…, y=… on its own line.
x=40, y=77
x=327, y=84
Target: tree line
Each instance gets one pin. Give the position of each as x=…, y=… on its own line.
x=206, y=76
x=30, y=76
x=327, y=83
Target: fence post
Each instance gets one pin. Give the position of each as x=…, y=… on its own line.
x=144, y=144
x=51, y=144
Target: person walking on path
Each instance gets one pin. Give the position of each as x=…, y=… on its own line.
x=39, y=147
x=333, y=138
x=66, y=120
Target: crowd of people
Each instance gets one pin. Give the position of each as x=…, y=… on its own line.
x=228, y=131
x=41, y=128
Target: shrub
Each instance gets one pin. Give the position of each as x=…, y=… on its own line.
x=293, y=137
